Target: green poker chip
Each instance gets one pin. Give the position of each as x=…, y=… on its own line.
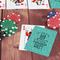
x=9, y=27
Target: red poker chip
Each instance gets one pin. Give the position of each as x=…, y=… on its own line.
x=54, y=22
x=15, y=17
x=4, y=18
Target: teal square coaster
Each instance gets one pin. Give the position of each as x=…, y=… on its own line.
x=41, y=41
x=55, y=3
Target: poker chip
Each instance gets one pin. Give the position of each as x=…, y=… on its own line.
x=0, y=24
x=2, y=34
x=51, y=14
x=54, y=22
x=9, y=27
x=4, y=18
x=13, y=16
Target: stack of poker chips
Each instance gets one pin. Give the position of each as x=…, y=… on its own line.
x=2, y=33
x=0, y=25
x=53, y=20
x=8, y=26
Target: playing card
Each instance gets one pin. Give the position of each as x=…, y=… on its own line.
x=38, y=4
x=16, y=4
x=41, y=41
x=55, y=3
x=26, y=31
x=2, y=4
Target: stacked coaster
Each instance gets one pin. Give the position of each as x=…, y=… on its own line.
x=53, y=20
x=8, y=25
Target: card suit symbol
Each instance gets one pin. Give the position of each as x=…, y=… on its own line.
x=3, y=5
x=0, y=2
x=0, y=6
x=22, y=4
x=25, y=4
x=47, y=5
x=23, y=27
x=43, y=4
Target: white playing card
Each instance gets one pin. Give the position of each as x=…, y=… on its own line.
x=38, y=4
x=2, y=4
x=26, y=31
x=16, y=4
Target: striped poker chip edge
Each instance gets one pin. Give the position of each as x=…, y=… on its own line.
x=4, y=34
